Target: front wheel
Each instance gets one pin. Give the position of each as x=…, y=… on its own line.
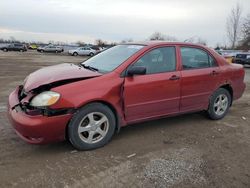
x=91, y=54
x=219, y=104
x=5, y=50
x=91, y=127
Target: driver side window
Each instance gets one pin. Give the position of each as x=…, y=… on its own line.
x=158, y=60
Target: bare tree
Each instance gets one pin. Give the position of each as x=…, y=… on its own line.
x=246, y=26
x=245, y=42
x=12, y=39
x=80, y=43
x=160, y=36
x=127, y=40
x=201, y=41
x=233, y=25
x=157, y=36
x=100, y=42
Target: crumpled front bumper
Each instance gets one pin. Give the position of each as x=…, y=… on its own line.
x=36, y=129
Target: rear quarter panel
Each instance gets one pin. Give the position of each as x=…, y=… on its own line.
x=237, y=74
x=230, y=73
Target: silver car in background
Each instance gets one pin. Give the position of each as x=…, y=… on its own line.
x=83, y=51
x=50, y=48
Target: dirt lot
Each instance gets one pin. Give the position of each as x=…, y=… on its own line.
x=184, y=151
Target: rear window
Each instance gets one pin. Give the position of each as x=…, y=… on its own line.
x=195, y=58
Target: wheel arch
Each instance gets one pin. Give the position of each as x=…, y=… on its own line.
x=110, y=106
x=229, y=88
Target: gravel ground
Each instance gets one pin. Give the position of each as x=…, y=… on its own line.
x=184, y=151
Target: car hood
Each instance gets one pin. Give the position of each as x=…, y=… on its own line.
x=62, y=73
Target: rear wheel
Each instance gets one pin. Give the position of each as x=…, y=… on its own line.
x=41, y=51
x=21, y=50
x=219, y=104
x=5, y=50
x=91, y=127
x=75, y=54
x=91, y=54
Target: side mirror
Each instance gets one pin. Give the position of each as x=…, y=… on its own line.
x=136, y=71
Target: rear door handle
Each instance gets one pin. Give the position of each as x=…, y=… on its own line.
x=213, y=73
x=174, y=77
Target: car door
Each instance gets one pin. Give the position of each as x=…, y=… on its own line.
x=84, y=51
x=50, y=48
x=81, y=51
x=18, y=47
x=11, y=47
x=47, y=49
x=200, y=75
x=53, y=48
x=88, y=50
x=15, y=47
x=157, y=92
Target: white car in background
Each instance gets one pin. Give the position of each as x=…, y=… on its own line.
x=83, y=51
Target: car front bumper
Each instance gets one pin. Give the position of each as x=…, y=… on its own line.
x=36, y=129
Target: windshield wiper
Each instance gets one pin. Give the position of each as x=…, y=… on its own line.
x=89, y=67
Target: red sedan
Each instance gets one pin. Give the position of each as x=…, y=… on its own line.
x=89, y=102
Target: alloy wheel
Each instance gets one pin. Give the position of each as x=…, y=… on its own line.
x=93, y=127
x=220, y=104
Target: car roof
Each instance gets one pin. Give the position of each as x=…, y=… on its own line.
x=157, y=43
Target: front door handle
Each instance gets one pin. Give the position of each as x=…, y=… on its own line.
x=174, y=77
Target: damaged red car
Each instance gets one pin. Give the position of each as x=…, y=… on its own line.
x=89, y=102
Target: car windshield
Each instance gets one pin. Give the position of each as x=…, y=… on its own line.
x=110, y=59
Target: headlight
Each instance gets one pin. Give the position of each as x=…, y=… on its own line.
x=45, y=98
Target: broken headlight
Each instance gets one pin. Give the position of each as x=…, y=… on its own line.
x=46, y=98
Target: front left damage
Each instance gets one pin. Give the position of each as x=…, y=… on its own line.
x=39, y=125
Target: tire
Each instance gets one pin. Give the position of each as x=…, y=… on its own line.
x=5, y=50
x=91, y=54
x=219, y=104
x=56, y=51
x=41, y=51
x=75, y=54
x=21, y=50
x=84, y=131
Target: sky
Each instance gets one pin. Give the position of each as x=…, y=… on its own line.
x=116, y=20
